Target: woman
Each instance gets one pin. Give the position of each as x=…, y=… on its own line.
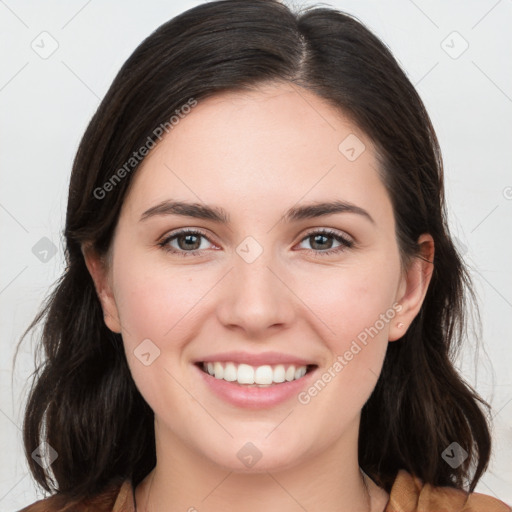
x=199, y=355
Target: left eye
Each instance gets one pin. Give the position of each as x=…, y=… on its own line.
x=189, y=242
x=321, y=238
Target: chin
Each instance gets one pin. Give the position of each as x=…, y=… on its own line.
x=257, y=454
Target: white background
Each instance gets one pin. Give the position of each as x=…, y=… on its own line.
x=45, y=105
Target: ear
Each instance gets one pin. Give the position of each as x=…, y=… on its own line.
x=98, y=269
x=413, y=287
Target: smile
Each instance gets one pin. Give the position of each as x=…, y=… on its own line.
x=255, y=376
x=255, y=381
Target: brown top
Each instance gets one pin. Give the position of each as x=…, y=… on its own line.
x=408, y=494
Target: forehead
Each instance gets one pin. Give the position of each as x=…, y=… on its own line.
x=269, y=146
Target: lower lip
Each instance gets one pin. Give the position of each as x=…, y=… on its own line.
x=255, y=397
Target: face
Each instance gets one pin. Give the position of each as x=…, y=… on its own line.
x=260, y=288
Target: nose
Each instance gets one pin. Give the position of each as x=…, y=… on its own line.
x=256, y=296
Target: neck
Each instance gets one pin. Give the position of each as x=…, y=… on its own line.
x=184, y=480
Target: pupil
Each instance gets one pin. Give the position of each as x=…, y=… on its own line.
x=189, y=241
x=316, y=237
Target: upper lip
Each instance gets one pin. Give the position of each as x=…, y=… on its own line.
x=262, y=358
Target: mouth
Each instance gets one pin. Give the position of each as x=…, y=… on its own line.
x=262, y=376
x=255, y=380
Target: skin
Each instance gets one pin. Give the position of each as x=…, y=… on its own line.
x=256, y=154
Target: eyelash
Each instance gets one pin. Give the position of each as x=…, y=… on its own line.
x=345, y=242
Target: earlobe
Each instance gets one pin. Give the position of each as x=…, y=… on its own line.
x=98, y=270
x=413, y=287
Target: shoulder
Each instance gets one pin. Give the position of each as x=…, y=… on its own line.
x=409, y=494
x=114, y=499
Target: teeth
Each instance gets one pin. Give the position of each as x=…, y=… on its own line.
x=290, y=373
x=300, y=372
x=219, y=370
x=261, y=376
x=245, y=374
x=279, y=373
x=230, y=372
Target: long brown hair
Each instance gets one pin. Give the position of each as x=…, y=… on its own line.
x=84, y=402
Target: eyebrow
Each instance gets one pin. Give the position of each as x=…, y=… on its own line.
x=219, y=215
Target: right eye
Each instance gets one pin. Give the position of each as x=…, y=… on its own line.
x=187, y=240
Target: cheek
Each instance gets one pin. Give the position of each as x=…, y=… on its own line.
x=155, y=303
x=351, y=302
x=355, y=310
x=156, y=309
